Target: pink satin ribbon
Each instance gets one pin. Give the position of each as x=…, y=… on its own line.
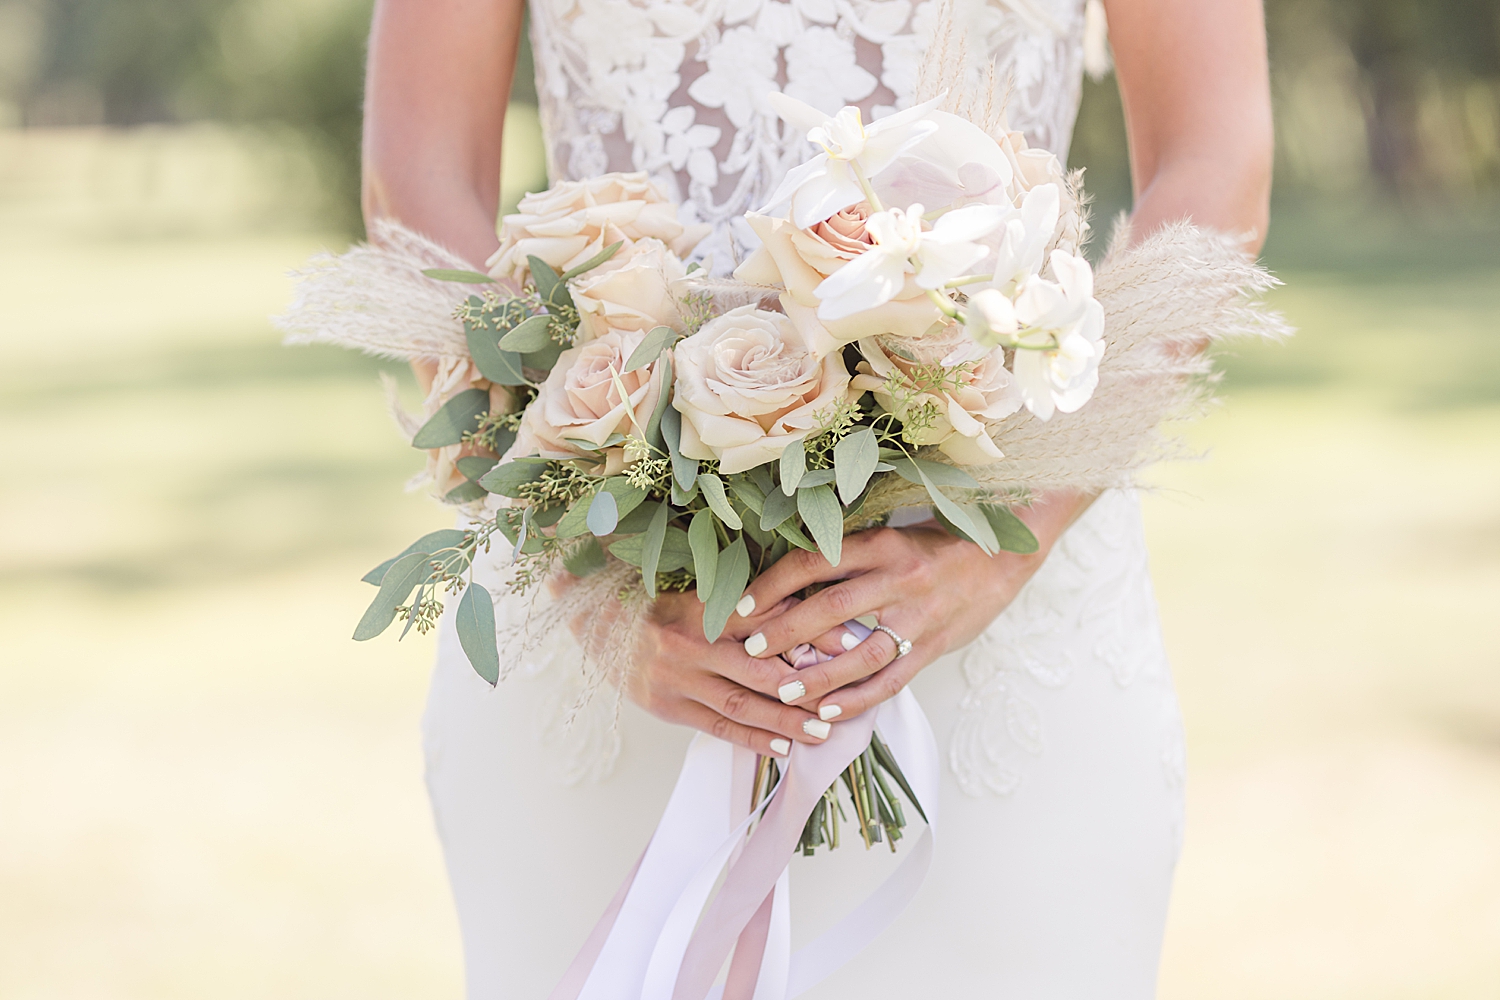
x=663, y=938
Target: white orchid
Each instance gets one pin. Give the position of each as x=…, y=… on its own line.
x=853, y=153
x=901, y=247
x=1027, y=231
x=1060, y=338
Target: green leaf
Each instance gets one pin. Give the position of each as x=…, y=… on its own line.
x=548, y=517
x=433, y=541
x=593, y=262
x=793, y=467
x=585, y=559
x=704, y=541
x=651, y=543
x=654, y=435
x=684, y=469
x=454, y=274
x=778, y=507
x=713, y=492
x=500, y=367
x=761, y=477
x=636, y=521
x=475, y=466
x=507, y=478
x=528, y=336
x=676, y=550
x=788, y=529
x=681, y=497
x=1011, y=533
x=544, y=276
x=824, y=517
x=749, y=493
x=456, y=417
x=650, y=348
x=817, y=477
x=983, y=535
x=466, y=492
x=475, y=620
x=913, y=469
x=953, y=512
x=395, y=587
x=854, y=461
x=603, y=514
x=730, y=577
x=544, y=359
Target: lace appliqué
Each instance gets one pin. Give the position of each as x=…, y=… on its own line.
x=677, y=89
x=1092, y=598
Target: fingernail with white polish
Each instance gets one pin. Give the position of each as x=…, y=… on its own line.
x=849, y=641
x=746, y=607
x=829, y=712
x=791, y=691
x=781, y=747
x=817, y=729
x=756, y=644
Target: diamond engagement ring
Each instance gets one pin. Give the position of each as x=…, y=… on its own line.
x=903, y=646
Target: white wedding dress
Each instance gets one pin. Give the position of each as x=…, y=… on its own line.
x=1062, y=794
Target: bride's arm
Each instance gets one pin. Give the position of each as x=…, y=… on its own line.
x=1193, y=78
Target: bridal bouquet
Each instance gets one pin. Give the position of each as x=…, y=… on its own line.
x=918, y=327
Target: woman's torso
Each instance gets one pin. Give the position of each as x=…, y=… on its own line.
x=677, y=89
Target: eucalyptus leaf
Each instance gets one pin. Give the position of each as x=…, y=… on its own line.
x=654, y=435
x=475, y=466
x=730, y=578
x=789, y=531
x=854, y=461
x=703, y=539
x=651, y=543
x=824, y=518
x=500, y=367
x=713, y=492
x=749, y=493
x=953, y=512
x=817, y=477
x=982, y=535
x=941, y=473
x=455, y=418
x=454, y=274
x=465, y=492
x=778, y=507
x=396, y=586
x=676, y=551
x=793, y=467
x=544, y=276
x=475, y=621
x=1011, y=533
x=650, y=348
x=528, y=336
x=507, y=478
x=547, y=517
x=593, y=262
x=681, y=497
x=544, y=359
x=636, y=521
x=433, y=541
x=684, y=469
x=585, y=559
x=761, y=477
x=603, y=514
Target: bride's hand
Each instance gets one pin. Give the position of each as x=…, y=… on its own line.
x=679, y=676
x=929, y=587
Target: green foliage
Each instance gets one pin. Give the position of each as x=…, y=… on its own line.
x=457, y=417
x=475, y=620
x=730, y=578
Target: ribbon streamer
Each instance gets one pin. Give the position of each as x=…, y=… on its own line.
x=663, y=938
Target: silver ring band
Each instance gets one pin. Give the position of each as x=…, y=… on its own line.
x=903, y=646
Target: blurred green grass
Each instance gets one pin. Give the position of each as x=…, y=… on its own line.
x=209, y=791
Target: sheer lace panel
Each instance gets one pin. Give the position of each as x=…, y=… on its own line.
x=677, y=89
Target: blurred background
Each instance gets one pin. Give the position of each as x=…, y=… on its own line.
x=207, y=790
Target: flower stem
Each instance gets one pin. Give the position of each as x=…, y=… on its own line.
x=864, y=183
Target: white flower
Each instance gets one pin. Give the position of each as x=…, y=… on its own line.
x=1061, y=337
x=633, y=290
x=1025, y=235
x=830, y=181
x=935, y=257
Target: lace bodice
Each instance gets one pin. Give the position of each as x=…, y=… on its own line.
x=677, y=88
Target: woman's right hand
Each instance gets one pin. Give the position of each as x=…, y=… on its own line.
x=679, y=676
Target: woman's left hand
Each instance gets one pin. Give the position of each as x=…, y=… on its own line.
x=929, y=587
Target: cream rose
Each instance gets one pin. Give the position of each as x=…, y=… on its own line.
x=799, y=260
x=946, y=407
x=580, y=402
x=748, y=385
x=573, y=220
x=631, y=291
